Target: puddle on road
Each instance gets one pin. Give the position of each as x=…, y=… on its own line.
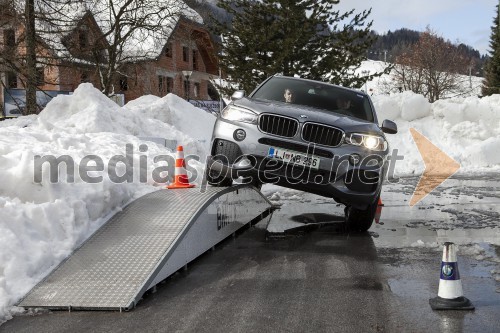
x=463, y=210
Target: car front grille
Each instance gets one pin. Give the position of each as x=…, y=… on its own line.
x=277, y=125
x=322, y=135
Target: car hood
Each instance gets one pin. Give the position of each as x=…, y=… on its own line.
x=306, y=114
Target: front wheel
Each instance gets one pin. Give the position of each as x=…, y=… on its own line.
x=217, y=179
x=360, y=220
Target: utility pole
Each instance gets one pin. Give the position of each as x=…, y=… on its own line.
x=31, y=79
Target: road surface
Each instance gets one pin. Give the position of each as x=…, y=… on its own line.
x=301, y=271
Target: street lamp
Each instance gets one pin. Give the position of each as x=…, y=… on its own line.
x=187, y=74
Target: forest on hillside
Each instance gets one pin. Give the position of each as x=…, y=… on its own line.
x=387, y=47
x=390, y=45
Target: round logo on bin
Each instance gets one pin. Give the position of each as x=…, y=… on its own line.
x=447, y=270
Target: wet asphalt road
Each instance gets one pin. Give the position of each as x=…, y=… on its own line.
x=318, y=278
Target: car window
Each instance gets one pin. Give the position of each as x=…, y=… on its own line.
x=315, y=95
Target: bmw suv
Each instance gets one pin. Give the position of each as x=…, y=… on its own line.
x=306, y=135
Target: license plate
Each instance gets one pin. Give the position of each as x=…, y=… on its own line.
x=290, y=156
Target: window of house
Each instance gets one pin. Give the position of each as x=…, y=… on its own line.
x=83, y=41
x=170, y=84
x=195, y=60
x=168, y=50
x=11, y=80
x=123, y=83
x=40, y=76
x=9, y=36
x=185, y=53
x=212, y=92
x=84, y=77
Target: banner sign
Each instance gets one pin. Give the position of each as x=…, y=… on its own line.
x=209, y=106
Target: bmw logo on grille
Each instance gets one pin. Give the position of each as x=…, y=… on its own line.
x=303, y=116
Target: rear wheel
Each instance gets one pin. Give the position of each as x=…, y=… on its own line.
x=360, y=220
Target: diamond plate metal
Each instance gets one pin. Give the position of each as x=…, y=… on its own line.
x=109, y=270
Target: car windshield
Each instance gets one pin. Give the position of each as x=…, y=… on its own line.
x=316, y=95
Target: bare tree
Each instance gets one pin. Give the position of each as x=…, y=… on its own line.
x=105, y=35
x=432, y=67
x=23, y=49
x=132, y=30
x=30, y=39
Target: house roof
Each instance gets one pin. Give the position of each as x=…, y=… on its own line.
x=62, y=18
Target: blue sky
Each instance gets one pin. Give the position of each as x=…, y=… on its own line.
x=465, y=21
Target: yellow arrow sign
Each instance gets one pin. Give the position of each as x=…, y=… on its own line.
x=438, y=167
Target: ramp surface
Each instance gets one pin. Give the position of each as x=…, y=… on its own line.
x=115, y=266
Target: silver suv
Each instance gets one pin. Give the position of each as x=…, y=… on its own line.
x=305, y=135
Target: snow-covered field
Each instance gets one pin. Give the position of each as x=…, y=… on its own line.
x=42, y=222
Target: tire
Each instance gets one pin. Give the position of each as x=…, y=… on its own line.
x=225, y=152
x=217, y=180
x=360, y=220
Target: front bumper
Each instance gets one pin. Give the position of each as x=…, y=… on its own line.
x=336, y=177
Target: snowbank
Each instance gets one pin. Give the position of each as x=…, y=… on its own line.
x=467, y=129
x=42, y=222
x=174, y=111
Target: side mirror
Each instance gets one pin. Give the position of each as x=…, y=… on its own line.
x=389, y=127
x=238, y=94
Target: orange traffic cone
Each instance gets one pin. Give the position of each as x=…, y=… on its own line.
x=180, y=178
x=378, y=212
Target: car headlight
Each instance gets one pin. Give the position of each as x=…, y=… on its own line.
x=372, y=142
x=235, y=113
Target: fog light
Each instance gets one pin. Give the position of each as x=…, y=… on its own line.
x=354, y=159
x=239, y=135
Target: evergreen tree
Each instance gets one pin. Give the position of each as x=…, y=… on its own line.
x=306, y=38
x=491, y=83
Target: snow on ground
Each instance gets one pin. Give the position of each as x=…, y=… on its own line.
x=467, y=129
x=41, y=222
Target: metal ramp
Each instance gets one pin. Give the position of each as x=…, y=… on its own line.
x=149, y=240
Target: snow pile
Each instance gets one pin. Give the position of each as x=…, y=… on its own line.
x=467, y=129
x=422, y=244
x=41, y=221
x=173, y=110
